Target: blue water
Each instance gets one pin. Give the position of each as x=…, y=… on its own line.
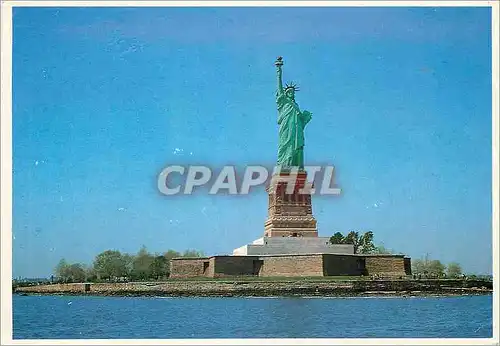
x=72, y=317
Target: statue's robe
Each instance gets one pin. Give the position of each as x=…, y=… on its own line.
x=291, y=123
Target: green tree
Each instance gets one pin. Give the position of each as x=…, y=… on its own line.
x=62, y=270
x=193, y=253
x=129, y=262
x=77, y=272
x=418, y=267
x=428, y=267
x=160, y=267
x=453, y=270
x=436, y=268
x=142, y=265
x=381, y=249
x=66, y=272
x=353, y=238
x=110, y=264
x=90, y=274
x=362, y=244
x=171, y=254
x=337, y=238
x=366, y=243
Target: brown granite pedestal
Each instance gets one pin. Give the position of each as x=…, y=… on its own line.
x=289, y=212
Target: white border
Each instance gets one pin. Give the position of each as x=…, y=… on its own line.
x=6, y=170
x=231, y=342
x=245, y=3
x=495, y=157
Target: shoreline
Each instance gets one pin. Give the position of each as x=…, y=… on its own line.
x=276, y=288
x=215, y=295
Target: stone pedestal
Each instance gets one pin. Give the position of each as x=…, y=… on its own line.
x=289, y=212
x=293, y=246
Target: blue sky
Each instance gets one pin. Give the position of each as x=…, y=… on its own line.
x=102, y=97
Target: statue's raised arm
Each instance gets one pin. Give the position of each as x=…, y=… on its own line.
x=279, y=64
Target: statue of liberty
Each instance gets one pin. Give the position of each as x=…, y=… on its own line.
x=291, y=123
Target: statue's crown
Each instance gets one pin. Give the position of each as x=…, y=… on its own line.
x=292, y=86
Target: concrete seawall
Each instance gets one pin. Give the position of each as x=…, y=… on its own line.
x=267, y=288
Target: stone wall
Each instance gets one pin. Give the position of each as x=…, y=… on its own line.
x=297, y=265
x=77, y=288
x=210, y=272
x=407, y=262
x=337, y=265
x=189, y=267
x=385, y=265
x=291, y=265
x=253, y=287
x=235, y=265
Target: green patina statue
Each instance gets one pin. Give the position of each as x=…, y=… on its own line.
x=292, y=123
